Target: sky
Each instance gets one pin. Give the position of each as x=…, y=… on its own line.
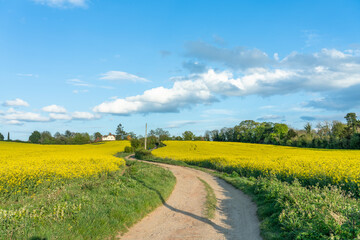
x=88, y=65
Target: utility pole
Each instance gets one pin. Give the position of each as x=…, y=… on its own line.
x=145, y=134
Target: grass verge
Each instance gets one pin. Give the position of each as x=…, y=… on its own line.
x=210, y=204
x=291, y=211
x=98, y=207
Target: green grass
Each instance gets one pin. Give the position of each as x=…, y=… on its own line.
x=210, y=204
x=290, y=211
x=92, y=208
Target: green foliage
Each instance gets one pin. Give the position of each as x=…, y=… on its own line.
x=151, y=143
x=1, y=137
x=98, y=207
x=326, y=135
x=210, y=204
x=68, y=138
x=141, y=153
x=129, y=149
x=35, y=137
x=120, y=132
x=188, y=136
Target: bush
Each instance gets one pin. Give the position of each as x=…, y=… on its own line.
x=129, y=149
x=142, y=154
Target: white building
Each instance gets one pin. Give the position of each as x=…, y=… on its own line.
x=109, y=137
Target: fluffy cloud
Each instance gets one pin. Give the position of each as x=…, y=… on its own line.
x=329, y=70
x=19, y=116
x=182, y=94
x=60, y=116
x=84, y=116
x=122, y=76
x=15, y=103
x=63, y=3
x=54, y=109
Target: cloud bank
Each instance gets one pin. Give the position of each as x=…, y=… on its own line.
x=324, y=71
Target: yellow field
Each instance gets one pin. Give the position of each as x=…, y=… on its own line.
x=339, y=167
x=25, y=165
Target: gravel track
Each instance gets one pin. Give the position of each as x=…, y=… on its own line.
x=181, y=216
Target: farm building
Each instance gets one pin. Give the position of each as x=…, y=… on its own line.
x=109, y=137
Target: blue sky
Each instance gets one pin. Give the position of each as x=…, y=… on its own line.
x=87, y=65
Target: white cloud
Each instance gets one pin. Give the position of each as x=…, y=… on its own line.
x=276, y=56
x=60, y=116
x=182, y=94
x=63, y=3
x=54, y=109
x=326, y=70
x=122, y=76
x=84, y=116
x=14, y=122
x=25, y=117
x=16, y=103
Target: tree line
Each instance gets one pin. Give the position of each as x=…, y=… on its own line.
x=334, y=135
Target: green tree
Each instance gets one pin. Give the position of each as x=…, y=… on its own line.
x=352, y=121
x=188, y=136
x=120, y=132
x=46, y=137
x=8, y=136
x=1, y=137
x=35, y=137
x=97, y=135
x=308, y=128
x=281, y=130
x=68, y=134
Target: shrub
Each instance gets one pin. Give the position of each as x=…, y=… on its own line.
x=128, y=149
x=142, y=154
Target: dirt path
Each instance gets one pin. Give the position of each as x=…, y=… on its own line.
x=181, y=217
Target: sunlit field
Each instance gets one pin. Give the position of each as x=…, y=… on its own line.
x=24, y=166
x=310, y=166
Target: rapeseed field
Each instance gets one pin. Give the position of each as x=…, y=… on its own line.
x=24, y=166
x=309, y=166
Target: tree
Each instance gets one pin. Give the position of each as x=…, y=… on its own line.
x=188, y=136
x=160, y=133
x=120, y=132
x=308, y=128
x=351, y=121
x=97, y=135
x=35, y=137
x=8, y=136
x=1, y=137
x=46, y=137
x=68, y=134
x=281, y=130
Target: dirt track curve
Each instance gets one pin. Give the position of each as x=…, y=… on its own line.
x=181, y=216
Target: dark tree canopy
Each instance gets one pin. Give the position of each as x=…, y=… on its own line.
x=120, y=132
x=1, y=137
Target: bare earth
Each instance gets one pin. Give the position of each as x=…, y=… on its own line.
x=181, y=217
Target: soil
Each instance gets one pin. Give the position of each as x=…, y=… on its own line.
x=182, y=215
